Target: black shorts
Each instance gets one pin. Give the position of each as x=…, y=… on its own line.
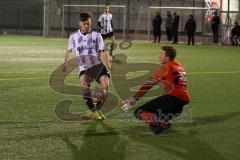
x=108, y=35
x=166, y=106
x=95, y=72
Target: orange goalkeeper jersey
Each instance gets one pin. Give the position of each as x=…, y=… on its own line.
x=173, y=76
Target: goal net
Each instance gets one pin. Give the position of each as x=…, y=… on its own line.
x=146, y=15
x=65, y=18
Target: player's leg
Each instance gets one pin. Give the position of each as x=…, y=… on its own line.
x=104, y=36
x=233, y=40
x=217, y=35
x=103, y=79
x=85, y=82
x=189, y=38
x=159, y=36
x=174, y=35
x=104, y=84
x=213, y=33
x=113, y=39
x=154, y=36
x=168, y=34
x=193, y=39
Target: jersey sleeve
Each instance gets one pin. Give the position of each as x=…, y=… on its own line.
x=153, y=80
x=71, y=43
x=160, y=73
x=100, y=43
x=100, y=18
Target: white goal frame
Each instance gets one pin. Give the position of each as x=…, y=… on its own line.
x=180, y=8
x=96, y=6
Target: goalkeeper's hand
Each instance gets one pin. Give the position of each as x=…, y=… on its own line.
x=128, y=104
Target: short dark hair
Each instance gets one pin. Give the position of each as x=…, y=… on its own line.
x=170, y=52
x=85, y=16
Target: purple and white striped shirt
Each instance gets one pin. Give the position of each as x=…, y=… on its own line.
x=87, y=48
x=106, y=23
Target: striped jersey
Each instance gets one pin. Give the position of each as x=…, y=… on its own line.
x=106, y=23
x=87, y=48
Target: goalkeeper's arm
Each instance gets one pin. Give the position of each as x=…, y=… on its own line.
x=157, y=77
x=153, y=80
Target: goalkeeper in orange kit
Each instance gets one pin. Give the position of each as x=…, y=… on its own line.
x=159, y=111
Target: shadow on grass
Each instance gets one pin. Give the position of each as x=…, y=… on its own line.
x=106, y=130
x=100, y=146
x=198, y=121
x=184, y=146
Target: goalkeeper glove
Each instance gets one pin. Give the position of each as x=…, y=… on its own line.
x=128, y=104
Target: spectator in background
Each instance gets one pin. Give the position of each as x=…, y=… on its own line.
x=215, y=26
x=235, y=34
x=175, y=26
x=157, y=22
x=168, y=25
x=190, y=29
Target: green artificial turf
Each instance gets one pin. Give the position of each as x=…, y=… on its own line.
x=30, y=129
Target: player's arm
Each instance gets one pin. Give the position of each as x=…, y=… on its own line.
x=103, y=54
x=68, y=53
x=153, y=80
x=67, y=58
x=105, y=60
x=112, y=24
x=99, y=22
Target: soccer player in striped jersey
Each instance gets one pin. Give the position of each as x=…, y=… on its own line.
x=106, y=25
x=93, y=63
x=159, y=111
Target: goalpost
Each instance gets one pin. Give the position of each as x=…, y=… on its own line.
x=189, y=10
x=64, y=7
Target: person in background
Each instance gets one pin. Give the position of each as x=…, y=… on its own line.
x=105, y=22
x=157, y=22
x=235, y=34
x=175, y=26
x=190, y=29
x=215, y=27
x=168, y=26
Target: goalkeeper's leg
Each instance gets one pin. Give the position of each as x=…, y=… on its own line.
x=158, y=112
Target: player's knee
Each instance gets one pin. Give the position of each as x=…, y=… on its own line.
x=85, y=84
x=104, y=82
